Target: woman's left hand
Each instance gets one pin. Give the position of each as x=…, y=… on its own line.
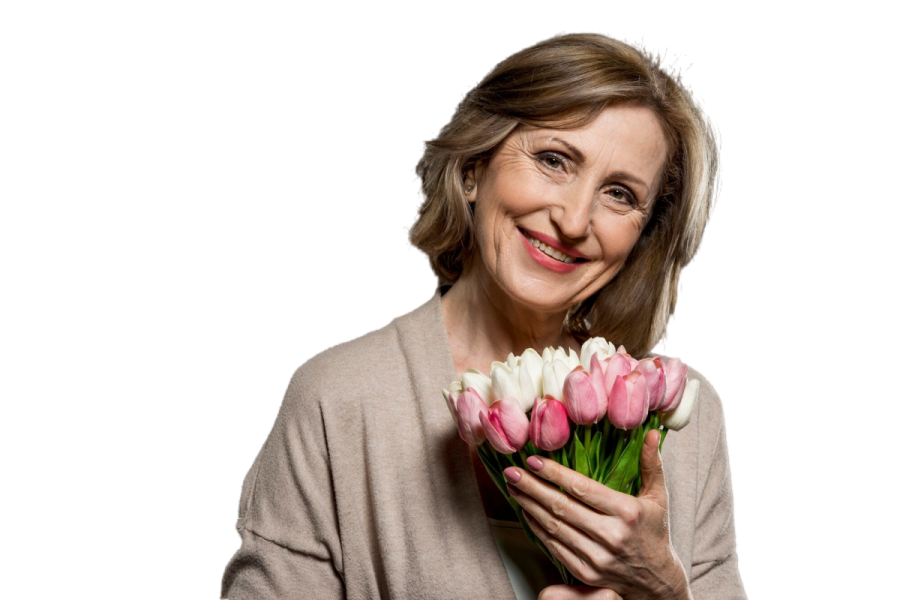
x=605, y=538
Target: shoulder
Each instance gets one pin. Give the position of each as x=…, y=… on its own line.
x=709, y=404
x=360, y=366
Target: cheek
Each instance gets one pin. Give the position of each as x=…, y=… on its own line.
x=617, y=237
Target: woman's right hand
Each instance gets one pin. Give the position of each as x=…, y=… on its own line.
x=571, y=592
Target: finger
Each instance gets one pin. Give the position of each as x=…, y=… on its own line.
x=561, y=506
x=571, y=559
x=579, y=592
x=653, y=482
x=582, y=542
x=585, y=489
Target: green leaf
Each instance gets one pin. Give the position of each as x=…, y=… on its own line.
x=493, y=468
x=594, y=455
x=581, y=460
x=564, y=458
x=617, y=478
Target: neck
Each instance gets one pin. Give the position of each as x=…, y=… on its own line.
x=485, y=324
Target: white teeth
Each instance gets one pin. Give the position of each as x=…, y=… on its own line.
x=551, y=252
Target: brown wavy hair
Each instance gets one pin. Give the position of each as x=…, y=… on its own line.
x=564, y=82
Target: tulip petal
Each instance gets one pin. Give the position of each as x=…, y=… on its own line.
x=526, y=388
x=481, y=383
x=676, y=379
x=495, y=436
x=469, y=408
x=531, y=361
x=502, y=382
x=580, y=398
x=549, y=424
x=681, y=416
x=618, y=367
x=450, y=398
x=599, y=386
x=550, y=384
x=629, y=401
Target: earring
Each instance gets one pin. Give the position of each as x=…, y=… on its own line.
x=469, y=189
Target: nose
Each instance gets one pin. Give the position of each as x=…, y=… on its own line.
x=572, y=214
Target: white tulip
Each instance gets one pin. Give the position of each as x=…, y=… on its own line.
x=681, y=416
x=514, y=379
x=503, y=382
x=533, y=365
x=552, y=387
x=598, y=346
x=569, y=359
x=450, y=397
x=481, y=383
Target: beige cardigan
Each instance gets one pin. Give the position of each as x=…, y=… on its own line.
x=364, y=488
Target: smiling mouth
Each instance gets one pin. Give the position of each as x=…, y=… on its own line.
x=549, y=251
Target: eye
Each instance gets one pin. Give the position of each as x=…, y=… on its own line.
x=622, y=195
x=553, y=160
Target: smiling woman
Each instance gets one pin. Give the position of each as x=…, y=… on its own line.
x=574, y=201
x=561, y=202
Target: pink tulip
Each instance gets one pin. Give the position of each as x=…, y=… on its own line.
x=468, y=408
x=584, y=394
x=629, y=400
x=505, y=425
x=676, y=379
x=597, y=376
x=618, y=366
x=549, y=424
x=655, y=373
x=580, y=398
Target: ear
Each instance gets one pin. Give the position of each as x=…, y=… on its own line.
x=470, y=182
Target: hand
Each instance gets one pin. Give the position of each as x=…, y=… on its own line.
x=605, y=538
x=569, y=592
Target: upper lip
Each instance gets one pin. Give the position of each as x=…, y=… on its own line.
x=553, y=243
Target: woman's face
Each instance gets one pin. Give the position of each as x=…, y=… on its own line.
x=581, y=195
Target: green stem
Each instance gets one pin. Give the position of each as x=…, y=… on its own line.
x=605, y=438
x=587, y=438
x=620, y=444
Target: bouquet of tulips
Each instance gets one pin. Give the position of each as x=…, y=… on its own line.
x=588, y=413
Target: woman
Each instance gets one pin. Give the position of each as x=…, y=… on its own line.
x=562, y=200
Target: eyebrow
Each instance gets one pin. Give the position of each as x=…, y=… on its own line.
x=575, y=151
x=579, y=156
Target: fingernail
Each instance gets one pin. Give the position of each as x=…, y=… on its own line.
x=527, y=515
x=535, y=463
x=512, y=474
x=513, y=490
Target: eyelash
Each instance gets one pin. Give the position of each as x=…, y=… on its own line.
x=562, y=159
x=630, y=198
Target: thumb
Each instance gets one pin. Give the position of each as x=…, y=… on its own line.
x=652, y=480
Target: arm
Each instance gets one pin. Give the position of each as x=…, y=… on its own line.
x=287, y=519
x=714, y=572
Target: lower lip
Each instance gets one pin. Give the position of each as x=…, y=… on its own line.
x=545, y=261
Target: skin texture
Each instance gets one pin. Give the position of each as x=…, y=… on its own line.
x=592, y=190
x=506, y=302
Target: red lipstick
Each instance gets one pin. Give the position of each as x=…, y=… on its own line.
x=553, y=243
x=547, y=261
